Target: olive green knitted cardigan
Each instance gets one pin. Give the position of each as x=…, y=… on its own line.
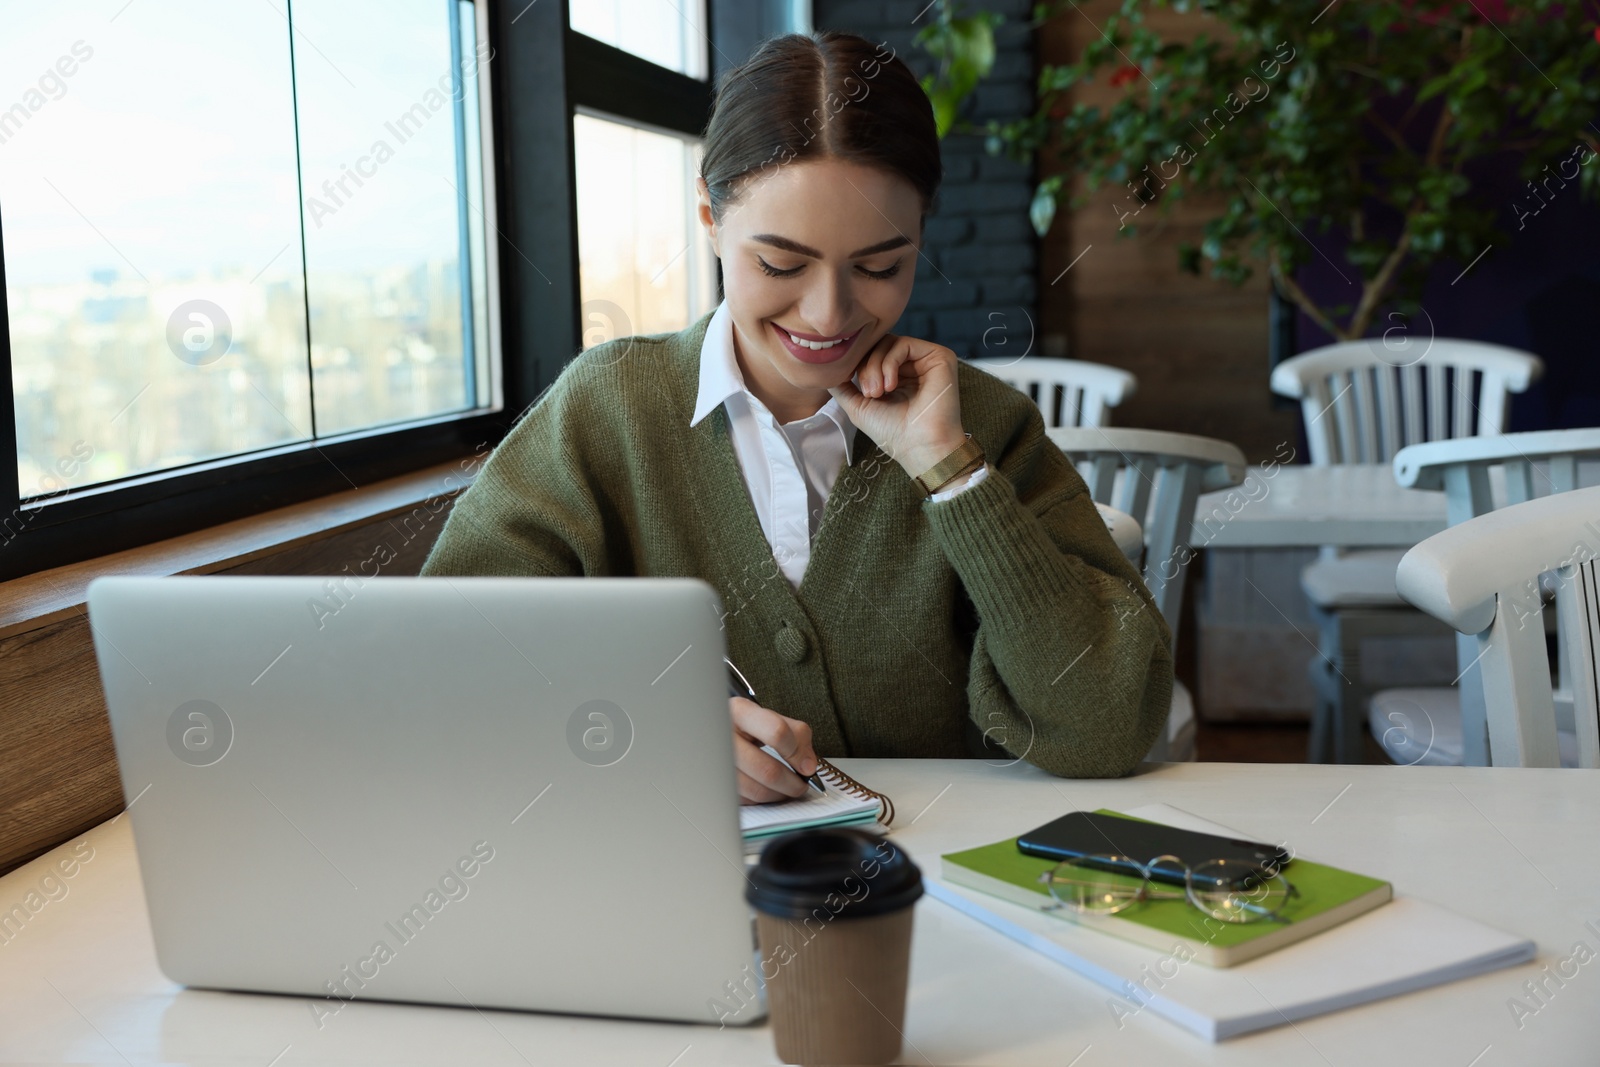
x=1002, y=623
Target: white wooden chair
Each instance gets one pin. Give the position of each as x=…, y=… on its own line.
x=1482, y=578
x=1161, y=476
x=1069, y=392
x=1445, y=725
x=1124, y=530
x=1363, y=401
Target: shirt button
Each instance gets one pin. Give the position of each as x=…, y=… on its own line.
x=791, y=644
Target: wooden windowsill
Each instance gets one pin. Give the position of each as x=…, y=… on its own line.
x=36, y=600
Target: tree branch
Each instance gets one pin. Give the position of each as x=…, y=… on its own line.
x=1373, y=291
x=1388, y=131
x=1297, y=296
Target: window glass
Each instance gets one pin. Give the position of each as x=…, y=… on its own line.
x=151, y=237
x=385, y=222
x=670, y=33
x=645, y=263
x=171, y=177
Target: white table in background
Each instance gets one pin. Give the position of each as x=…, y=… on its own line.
x=1358, y=505
x=1353, y=506
x=1514, y=848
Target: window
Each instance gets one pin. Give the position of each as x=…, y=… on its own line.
x=223, y=234
x=669, y=33
x=645, y=263
x=249, y=261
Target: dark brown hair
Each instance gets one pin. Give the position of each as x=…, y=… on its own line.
x=826, y=95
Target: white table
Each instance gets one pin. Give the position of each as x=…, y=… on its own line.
x=1358, y=505
x=1353, y=505
x=1515, y=848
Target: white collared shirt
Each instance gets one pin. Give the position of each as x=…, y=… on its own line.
x=789, y=468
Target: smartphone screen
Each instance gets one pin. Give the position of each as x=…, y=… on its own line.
x=1085, y=833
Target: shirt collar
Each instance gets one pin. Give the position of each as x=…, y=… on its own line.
x=720, y=377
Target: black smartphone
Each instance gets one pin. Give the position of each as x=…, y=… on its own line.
x=1086, y=833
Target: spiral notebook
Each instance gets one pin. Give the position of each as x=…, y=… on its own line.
x=846, y=803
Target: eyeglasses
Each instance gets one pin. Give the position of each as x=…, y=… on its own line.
x=1228, y=890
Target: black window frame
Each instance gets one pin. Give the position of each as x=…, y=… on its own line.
x=539, y=72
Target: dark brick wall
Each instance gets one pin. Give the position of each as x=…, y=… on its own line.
x=975, y=291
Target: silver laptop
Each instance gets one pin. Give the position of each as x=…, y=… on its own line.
x=497, y=792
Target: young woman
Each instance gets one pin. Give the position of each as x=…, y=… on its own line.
x=908, y=566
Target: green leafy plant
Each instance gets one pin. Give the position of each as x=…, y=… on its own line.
x=964, y=48
x=1306, y=119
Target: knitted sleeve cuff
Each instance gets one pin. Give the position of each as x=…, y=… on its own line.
x=966, y=483
x=1011, y=567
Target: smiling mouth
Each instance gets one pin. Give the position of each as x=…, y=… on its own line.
x=815, y=345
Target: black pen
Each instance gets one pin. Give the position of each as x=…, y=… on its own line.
x=750, y=693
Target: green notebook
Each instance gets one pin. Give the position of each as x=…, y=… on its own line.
x=1327, y=897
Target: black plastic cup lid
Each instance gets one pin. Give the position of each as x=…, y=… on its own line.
x=851, y=873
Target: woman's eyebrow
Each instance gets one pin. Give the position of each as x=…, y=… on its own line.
x=806, y=250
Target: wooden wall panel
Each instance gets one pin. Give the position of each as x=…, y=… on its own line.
x=1198, y=345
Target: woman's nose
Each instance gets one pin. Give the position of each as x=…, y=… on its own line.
x=826, y=307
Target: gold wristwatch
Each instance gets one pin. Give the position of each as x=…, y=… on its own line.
x=967, y=458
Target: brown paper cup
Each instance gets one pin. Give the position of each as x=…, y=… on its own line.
x=839, y=992
x=833, y=915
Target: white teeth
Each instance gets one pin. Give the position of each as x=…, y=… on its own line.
x=815, y=346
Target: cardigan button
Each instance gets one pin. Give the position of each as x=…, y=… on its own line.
x=791, y=644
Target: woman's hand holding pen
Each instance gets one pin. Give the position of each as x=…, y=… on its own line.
x=763, y=779
x=904, y=397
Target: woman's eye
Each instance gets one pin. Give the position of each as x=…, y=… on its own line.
x=888, y=272
x=774, y=272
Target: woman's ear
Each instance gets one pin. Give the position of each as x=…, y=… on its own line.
x=703, y=212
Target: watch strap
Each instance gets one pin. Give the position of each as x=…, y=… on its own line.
x=967, y=458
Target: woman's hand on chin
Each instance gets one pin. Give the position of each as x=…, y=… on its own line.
x=904, y=397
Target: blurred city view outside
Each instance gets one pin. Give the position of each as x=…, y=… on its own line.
x=162, y=266
x=645, y=264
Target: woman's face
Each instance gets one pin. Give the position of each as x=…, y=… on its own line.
x=821, y=250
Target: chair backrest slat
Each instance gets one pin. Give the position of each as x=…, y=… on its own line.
x=1411, y=384
x=1344, y=417
x=1492, y=402
x=1519, y=483
x=1161, y=478
x=1563, y=473
x=1438, y=403
x=1366, y=418
x=1101, y=477
x=1579, y=615
x=1466, y=487
x=1175, y=492
x=1361, y=404
x=1389, y=410
x=1464, y=405
x=1516, y=679
x=1068, y=392
x=1138, y=477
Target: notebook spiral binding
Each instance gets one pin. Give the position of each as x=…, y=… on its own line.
x=846, y=784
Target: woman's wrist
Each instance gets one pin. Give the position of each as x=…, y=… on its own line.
x=921, y=459
x=959, y=485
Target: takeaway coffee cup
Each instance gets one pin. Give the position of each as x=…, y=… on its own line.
x=833, y=912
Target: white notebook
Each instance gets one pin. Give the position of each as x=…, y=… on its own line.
x=1407, y=944
x=833, y=808
x=846, y=802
